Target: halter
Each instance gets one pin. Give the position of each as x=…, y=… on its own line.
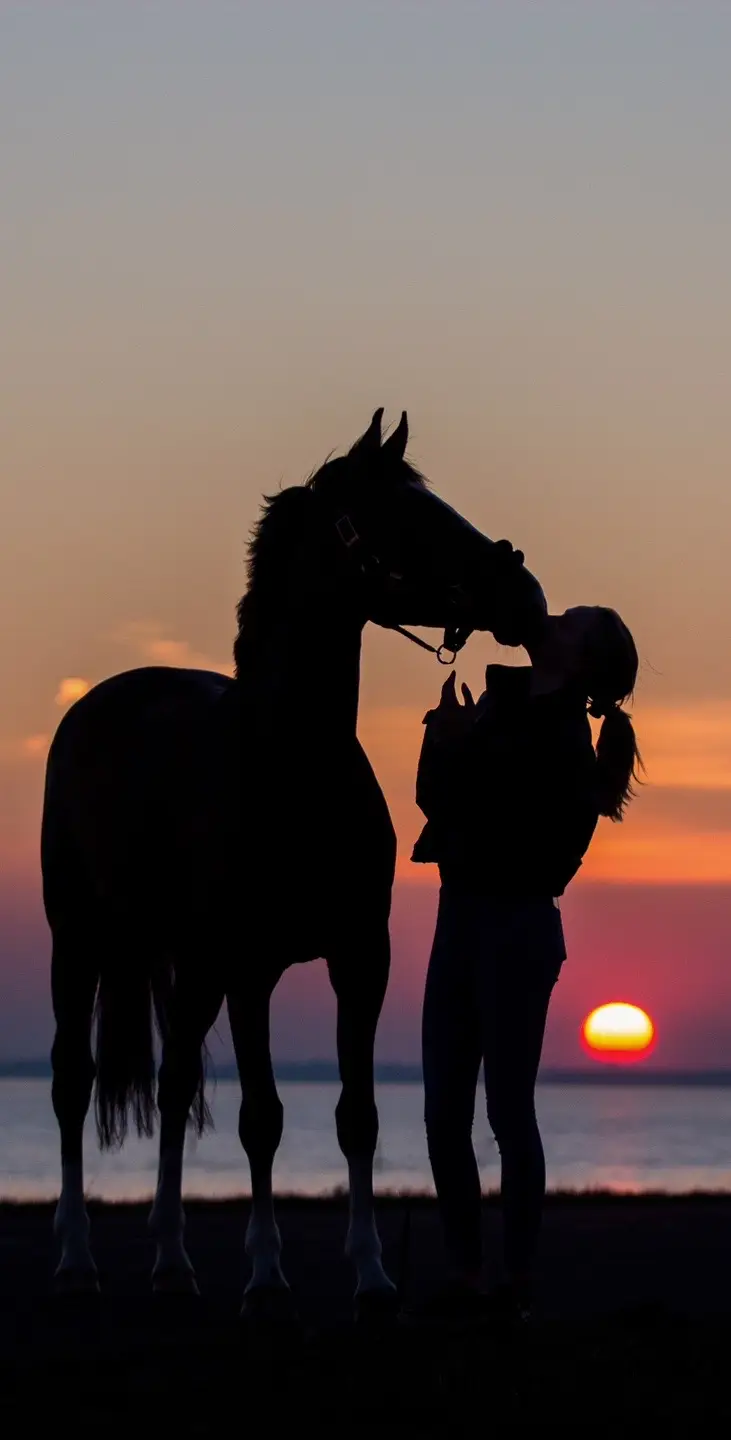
x=455, y=637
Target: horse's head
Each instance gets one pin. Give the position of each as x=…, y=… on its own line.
x=414, y=559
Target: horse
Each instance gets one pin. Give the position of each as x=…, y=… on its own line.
x=201, y=833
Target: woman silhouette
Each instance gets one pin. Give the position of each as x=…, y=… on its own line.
x=512, y=788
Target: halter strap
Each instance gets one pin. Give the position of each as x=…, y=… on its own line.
x=371, y=564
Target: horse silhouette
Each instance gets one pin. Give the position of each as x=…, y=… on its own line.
x=201, y=833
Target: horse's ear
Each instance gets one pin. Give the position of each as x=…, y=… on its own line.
x=395, y=445
x=371, y=441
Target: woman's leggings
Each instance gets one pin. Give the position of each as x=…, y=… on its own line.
x=493, y=966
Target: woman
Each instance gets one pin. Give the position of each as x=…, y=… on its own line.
x=512, y=788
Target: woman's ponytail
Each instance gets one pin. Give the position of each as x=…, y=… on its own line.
x=618, y=760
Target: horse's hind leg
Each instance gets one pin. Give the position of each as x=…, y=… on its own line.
x=194, y=1008
x=267, y=1295
x=74, y=977
x=359, y=980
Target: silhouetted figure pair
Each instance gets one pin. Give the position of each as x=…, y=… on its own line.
x=200, y=834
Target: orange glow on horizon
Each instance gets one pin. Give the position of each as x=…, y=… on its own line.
x=618, y=1032
x=687, y=748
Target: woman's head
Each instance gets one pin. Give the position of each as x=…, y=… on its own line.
x=591, y=646
x=600, y=652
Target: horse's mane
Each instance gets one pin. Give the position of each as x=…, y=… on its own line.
x=284, y=520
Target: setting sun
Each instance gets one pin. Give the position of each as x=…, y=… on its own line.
x=618, y=1032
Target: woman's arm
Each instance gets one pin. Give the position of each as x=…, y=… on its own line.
x=445, y=750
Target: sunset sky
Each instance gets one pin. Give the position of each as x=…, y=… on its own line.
x=229, y=232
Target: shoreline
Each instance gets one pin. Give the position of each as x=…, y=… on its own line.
x=389, y=1199
x=325, y=1072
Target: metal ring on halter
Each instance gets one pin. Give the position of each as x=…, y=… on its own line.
x=447, y=649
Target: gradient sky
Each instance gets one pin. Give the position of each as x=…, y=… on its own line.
x=229, y=232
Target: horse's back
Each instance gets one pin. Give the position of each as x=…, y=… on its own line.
x=142, y=694
x=128, y=762
x=165, y=799
x=136, y=710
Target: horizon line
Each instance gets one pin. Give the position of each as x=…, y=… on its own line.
x=314, y=1071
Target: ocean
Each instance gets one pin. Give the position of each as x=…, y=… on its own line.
x=628, y=1137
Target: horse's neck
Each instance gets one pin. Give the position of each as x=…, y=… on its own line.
x=299, y=675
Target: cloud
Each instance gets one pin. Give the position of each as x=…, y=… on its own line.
x=687, y=746
x=34, y=746
x=678, y=830
x=148, y=640
x=150, y=644
x=25, y=747
x=71, y=689
x=653, y=855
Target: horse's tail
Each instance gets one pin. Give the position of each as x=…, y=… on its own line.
x=126, y=1072
x=200, y=1117
x=134, y=1002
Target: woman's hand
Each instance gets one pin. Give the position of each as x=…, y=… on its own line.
x=450, y=720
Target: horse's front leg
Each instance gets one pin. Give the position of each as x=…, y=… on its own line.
x=267, y=1297
x=359, y=981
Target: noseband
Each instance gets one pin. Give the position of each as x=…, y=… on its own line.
x=455, y=636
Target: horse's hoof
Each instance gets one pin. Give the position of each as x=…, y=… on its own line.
x=271, y=1308
x=76, y=1280
x=375, y=1309
x=174, y=1281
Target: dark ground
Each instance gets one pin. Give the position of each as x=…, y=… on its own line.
x=633, y=1330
